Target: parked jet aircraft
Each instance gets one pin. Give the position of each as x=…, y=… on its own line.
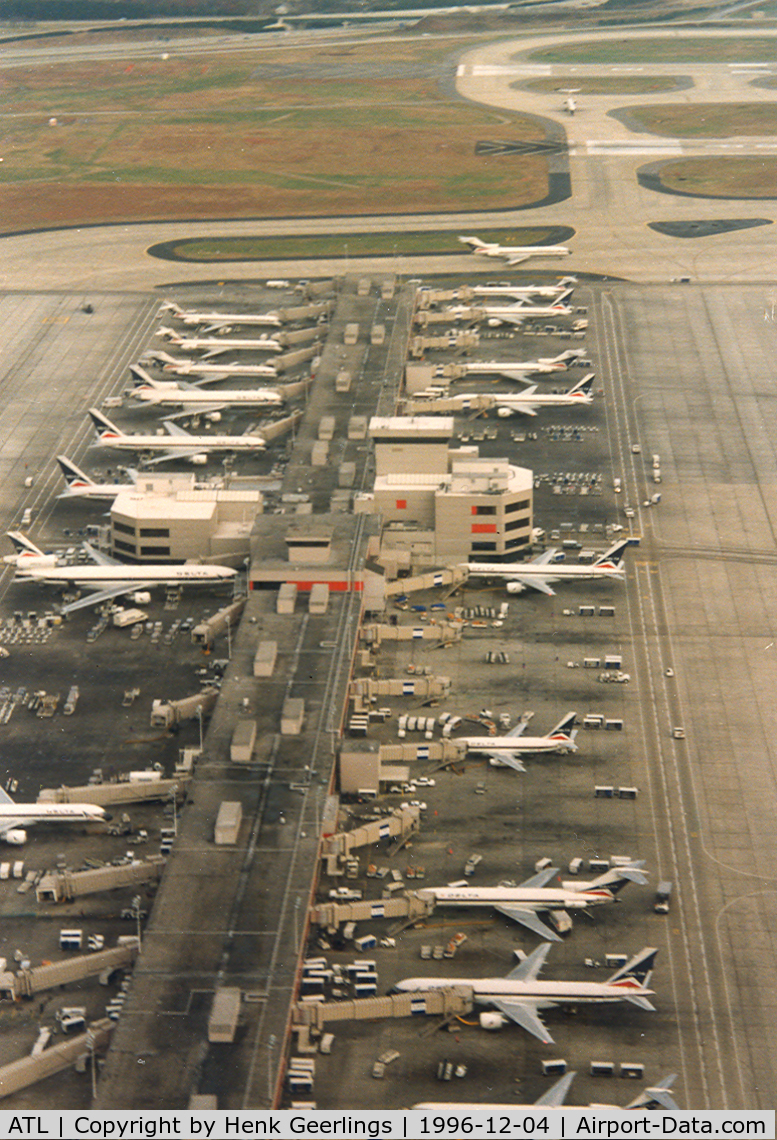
x=525, y=291
x=80, y=486
x=513, y=254
x=505, y=751
x=519, y=996
x=177, y=443
x=217, y=345
x=517, y=370
x=12, y=815
x=541, y=571
x=218, y=320
x=110, y=578
x=528, y=401
x=210, y=372
x=522, y=903
x=514, y=314
x=27, y=553
x=194, y=399
x=654, y=1097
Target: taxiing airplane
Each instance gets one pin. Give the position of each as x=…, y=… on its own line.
x=218, y=320
x=518, y=370
x=654, y=1097
x=505, y=751
x=542, y=570
x=80, y=486
x=111, y=578
x=210, y=372
x=217, y=345
x=513, y=254
x=160, y=393
x=527, y=402
x=519, y=996
x=178, y=442
x=14, y=816
x=522, y=903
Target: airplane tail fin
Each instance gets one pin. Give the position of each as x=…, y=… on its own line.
x=169, y=307
x=568, y=282
x=612, y=558
x=637, y=971
x=563, y=298
x=24, y=545
x=168, y=334
x=657, y=1095
x=473, y=242
x=617, y=877
x=565, y=729
x=140, y=376
x=74, y=476
x=103, y=426
x=583, y=386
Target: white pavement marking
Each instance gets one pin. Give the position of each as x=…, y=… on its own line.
x=601, y=147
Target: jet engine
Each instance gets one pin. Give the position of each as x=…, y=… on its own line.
x=504, y=412
x=214, y=417
x=200, y=459
x=16, y=837
x=515, y=587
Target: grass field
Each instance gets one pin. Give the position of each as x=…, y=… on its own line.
x=603, y=84
x=349, y=245
x=691, y=49
x=729, y=177
x=354, y=129
x=706, y=120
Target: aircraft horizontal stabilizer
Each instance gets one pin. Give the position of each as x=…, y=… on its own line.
x=638, y=1000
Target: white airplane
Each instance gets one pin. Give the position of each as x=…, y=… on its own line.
x=178, y=442
x=507, y=290
x=655, y=1096
x=27, y=553
x=217, y=345
x=80, y=486
x=542, y=570
x=517, y=370
x=513, y=254
x=520, y=996
x=159, y=393
x=218, y=320
x=510, y=314
x=505, y=751
x=13, y=816
x=522, y=903
x=211, y=372
x=110, y=578
x=527, y=402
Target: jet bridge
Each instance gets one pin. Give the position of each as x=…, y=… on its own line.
x=409, y=906
x=29, y=1070
x=445, y=1002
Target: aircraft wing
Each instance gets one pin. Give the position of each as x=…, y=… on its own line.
x=174, y=429
x=516, y=258
x=179, y=453
x=524, y=1013
x=528, y=969
x=529, y=919
x=541, y=879
x=209, y=355
x=198, y=409
x=104, y=595
x=98, y=556
x=522, y=408
x=557, y=1093
x=509, y=759
x=534, y=582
